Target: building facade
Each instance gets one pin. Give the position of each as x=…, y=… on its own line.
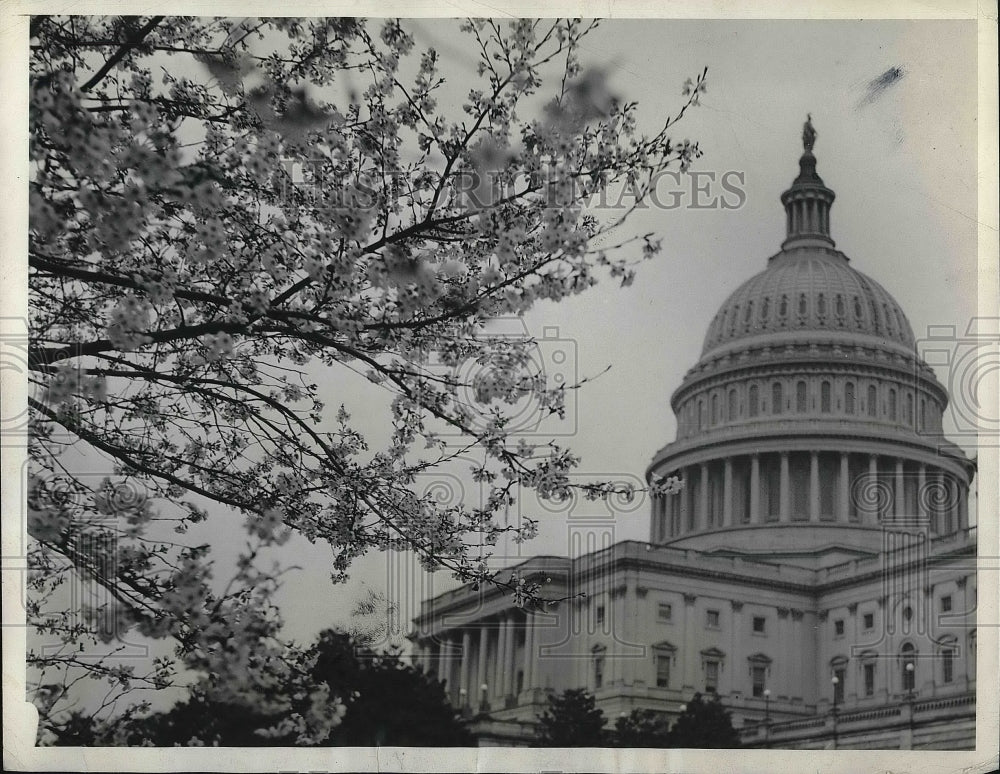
x=816, y=570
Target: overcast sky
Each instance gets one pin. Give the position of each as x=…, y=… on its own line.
x=901, y=159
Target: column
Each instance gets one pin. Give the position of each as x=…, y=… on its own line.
x=529, y=651
x=873, y=489
x=685, y=504
x=727, y=494
x=813, y=486
x=783, y=501
x=922, y=514
x=499, y=677
x=796, y=687
x=899, y=496
x=755, y=516
x=690, y=654
x=963, y=506
x=484, y=634
x=844, y=482
x=447, y=656
x=508, y=662
x=703, y=497
x=737, y=660
x=463, y=683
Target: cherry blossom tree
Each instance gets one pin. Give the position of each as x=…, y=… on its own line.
x=188, y=292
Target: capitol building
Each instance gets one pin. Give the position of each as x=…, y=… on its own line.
x=817, y=569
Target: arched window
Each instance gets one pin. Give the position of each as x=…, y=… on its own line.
x=909, y=408
x=801, y=398
x=908, y=666
x=923, y=414
x=821, y=304
x=783, y=307
x=872, y=401
x=715, y=409
x=776, y=398
x=858, y=310
x=849, y=397
x=824, y=397
x=875, y=321
x=892, y=404
x=732, y=406
x=838, y=671
x=803, y=305
x=840, y=305
x=764, y=305
x=754, y=400
x=749, y=313
x=701, y=414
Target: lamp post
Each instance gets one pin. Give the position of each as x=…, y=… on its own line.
x=767, y=717
x=835, y=681
x=484, y=704
x=910, y=680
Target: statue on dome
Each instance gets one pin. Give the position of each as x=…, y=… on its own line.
x=808, y=133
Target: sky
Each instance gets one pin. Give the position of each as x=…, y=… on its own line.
x=899, y=150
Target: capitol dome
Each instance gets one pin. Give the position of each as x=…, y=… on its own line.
x=807, y=291
x=809, y=406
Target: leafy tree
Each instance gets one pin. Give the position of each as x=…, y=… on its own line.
x=704, y=724
x=389, y=703
x=186, y=292
x=571, y=720
x=642, y=728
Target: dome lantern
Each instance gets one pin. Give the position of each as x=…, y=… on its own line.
x=808, y=201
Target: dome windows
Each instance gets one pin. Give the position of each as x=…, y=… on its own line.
x=764, y=308
x=840, y=307
x=849, y=398
x=754, y=401
x=872, y=400
x=783, y=307
x=733, y=408
x=892, y=404
x=776, y=398
x=824, y=397
x=821, y=305
x=801, y=398
x=803, y=305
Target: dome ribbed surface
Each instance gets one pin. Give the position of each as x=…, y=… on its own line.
x=809, y=290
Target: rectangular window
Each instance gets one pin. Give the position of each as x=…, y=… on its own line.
x=598, y=671
x=759, y=622
x=599, y=614
x=711, y=676
x=664, y=612
x=869, y=671
x=758, y=674
x=662, y=671
x=869, y=621
x=838, y=627
x=946, y=604
x=947, y=665
x=712, y=619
